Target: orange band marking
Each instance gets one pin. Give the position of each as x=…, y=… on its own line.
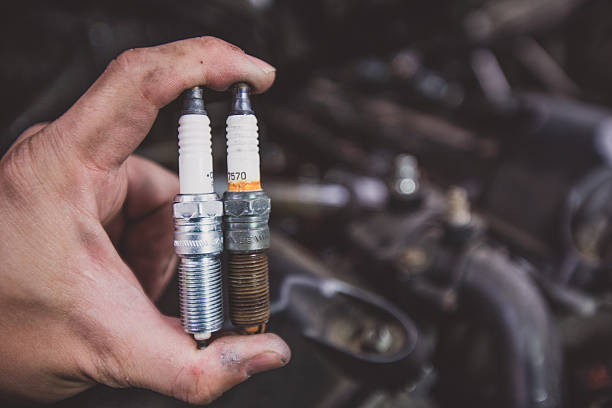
x=244, y=185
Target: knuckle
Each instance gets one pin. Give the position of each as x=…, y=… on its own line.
x=141, y=69
x=37, y=165
x=15, y=169
x=31, y=131
x=195, y=388
x=104, y=362
x=210, y=41
x=215, y=44
x=202, y=398
x=107, y=370
x=129, y=62
x=37, y=125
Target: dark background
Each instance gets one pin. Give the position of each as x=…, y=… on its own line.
x=507, y=98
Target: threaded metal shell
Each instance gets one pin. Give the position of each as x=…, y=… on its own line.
x=249, y=290
x=201, y=293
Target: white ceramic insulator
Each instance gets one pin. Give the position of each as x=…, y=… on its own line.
x=242, y=148
x=195, y=155
x=202, y=336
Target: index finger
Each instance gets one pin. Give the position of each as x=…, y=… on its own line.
x=110, y=120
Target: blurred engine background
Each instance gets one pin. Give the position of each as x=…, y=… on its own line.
x=440, y=178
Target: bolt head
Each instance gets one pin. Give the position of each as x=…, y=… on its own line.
x=259, y=206
x=198, y=209
x=377, y=339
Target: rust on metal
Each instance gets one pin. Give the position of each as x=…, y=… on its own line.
x=249, y=291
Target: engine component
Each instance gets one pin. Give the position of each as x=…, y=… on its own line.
x=247, y=210
x=363, y=334
x=458, y=211
x=521, y=326
x=198, y=236
x=405, y=183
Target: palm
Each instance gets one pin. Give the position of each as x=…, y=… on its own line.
x=140, y=225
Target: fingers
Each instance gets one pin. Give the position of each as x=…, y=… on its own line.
x=147, y=236
x=115, y=114
x=165, y=359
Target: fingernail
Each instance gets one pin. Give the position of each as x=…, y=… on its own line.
x=264, y=66
x=264, y=362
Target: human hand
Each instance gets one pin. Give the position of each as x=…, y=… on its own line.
x=86, y=233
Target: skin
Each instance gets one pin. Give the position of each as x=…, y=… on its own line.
x=86, y=233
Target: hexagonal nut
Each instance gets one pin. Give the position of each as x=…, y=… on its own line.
x=246, y=207
x=198, y=209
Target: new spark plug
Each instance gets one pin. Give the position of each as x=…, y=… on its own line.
x=247, y=209
x=198, y=212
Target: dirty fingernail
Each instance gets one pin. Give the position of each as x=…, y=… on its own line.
x=264, y=362
x=264, y=66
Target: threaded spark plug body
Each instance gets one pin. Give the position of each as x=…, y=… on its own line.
x=247, y=210
x=198, y=235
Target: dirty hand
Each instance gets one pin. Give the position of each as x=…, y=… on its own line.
x=86, y=242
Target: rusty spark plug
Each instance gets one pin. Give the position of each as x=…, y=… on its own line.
x=247, y=209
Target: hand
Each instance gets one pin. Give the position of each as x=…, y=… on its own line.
x=86, y=241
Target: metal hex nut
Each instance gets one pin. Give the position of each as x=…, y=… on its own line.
x=198, y=209
x=247, y=207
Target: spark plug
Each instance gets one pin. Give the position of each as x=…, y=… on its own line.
x=247, y=209
x=198, y=212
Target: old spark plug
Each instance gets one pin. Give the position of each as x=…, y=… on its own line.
x=198, y=212
x=247, y=209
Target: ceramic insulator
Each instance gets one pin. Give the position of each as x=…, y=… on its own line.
x=195, y=155
x=242, y=153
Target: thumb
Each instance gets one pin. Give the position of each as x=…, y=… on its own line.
x=167, y=361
